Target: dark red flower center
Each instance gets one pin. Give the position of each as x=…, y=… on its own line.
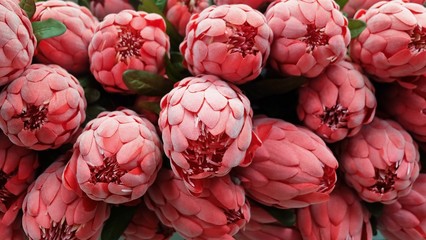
x=129, y=44
x=328, y=179
x=241, y=39
x=334, y=117
x=60, y=230
x=109, y=172
x=314, y=37
x=34, y=117
x=385, y=179
x=233, y=216
x=418, y=39
x=6, y=197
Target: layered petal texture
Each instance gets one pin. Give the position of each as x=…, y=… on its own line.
x=309, y=35
x=218, y=213
x=293, y=168
x=127, y=40
x=101, y=8
x=178, y=12
x=229, y=41
x=115, y=159
x=251, y=3
x=206, y=129
x=353, y=6
x=17, y=41
x=68, y=50
x=43, y=108
x=337, y=103
x=381, y=162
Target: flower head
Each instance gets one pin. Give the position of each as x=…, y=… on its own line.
x=101, y=8
x=178, y=12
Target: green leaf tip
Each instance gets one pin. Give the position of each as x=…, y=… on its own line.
x=28, y=6
x=356, y=27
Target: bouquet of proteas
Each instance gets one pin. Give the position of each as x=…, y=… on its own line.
x=226, y=119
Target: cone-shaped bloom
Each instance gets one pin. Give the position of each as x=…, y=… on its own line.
x=42, y=108
x=354, y=5
x=17, y=172
x=229, y=41
x=263, y=225
x=127, y=40
x=145, y=225
x=101, y=8
x=393, y=44
x=380, y=162
x=337, y=103
x=53, y=212
x=178, y=12
x=309, y=35
x=406, y=218
x=251, y=3
x=218, y=213
x=293, y=168
x=116, y=158
x=68, y=50
x=206, y=129
x=12, y=231
x=342, y=217
x=17, y=41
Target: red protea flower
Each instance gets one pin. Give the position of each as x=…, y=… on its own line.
x=406, y=218
x=127, y=40
x=229, y=41
x=17, y=172
x=206, y=128
x=68, y=50
x=381, y=162
x=342, y=217
x=53, y=212
x=337, y=103
x=393, y=44
x=42, y=108
x=101, y=8
x=115, y=159
x=309, y=35
x=354, y=5
x=293, y=168
x=145, y=225
x=178, y=12
x=251, y=3
x=218, y=213
x=17, y=41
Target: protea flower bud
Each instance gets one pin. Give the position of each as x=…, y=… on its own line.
x=101, y=8
x=17, y=41
x=42, y=108
x=229, y=41
x=405, y=219
x=68, y=50
x=393, y=43
x=178, y=12
x=53, y=212
x=342, y=217
x=251, y=3
x=337, y=103
x=354, y=5
x=116, y=158
x=293, y=168
x=218, y=213
x=309, y=35
x=206, y=128
x=381, y=162
x=17, y=172
x=127, y=40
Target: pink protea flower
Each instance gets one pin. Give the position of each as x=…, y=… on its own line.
x=145, y=225
x=101, y=8
x=42, y=108
x=309, y=35
x=127, y=40
x=178, y=12
x=263, y=225
x=206, y=128
x=17, y=41
x=393, y=44
x=116, y=158
x=68, y=50
x=53, y=212
x=342, y=217
x=406, y=218
x=380, y=162
x=337, y=103
x=229, y=41
x=251, y=3
x=218, y=213
x=17, y=172
x=354, y=5
x=293, y=168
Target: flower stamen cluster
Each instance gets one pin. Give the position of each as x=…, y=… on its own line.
x=129, y=43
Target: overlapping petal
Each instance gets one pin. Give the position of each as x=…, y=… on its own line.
x=251, y=3
x=178, y=12
x=354, y=5
x=104, y=7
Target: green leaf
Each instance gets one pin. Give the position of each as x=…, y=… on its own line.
x=149, y=106
x=28, y=6
x=272, y=86
x=161, y=4
x=48, y=28
x=286, y=217
x=356, y=27
x=118, y=221
x=84, y=3
x=92, y=95
x=147, y=83
x=174, y=68
x=341, y=3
